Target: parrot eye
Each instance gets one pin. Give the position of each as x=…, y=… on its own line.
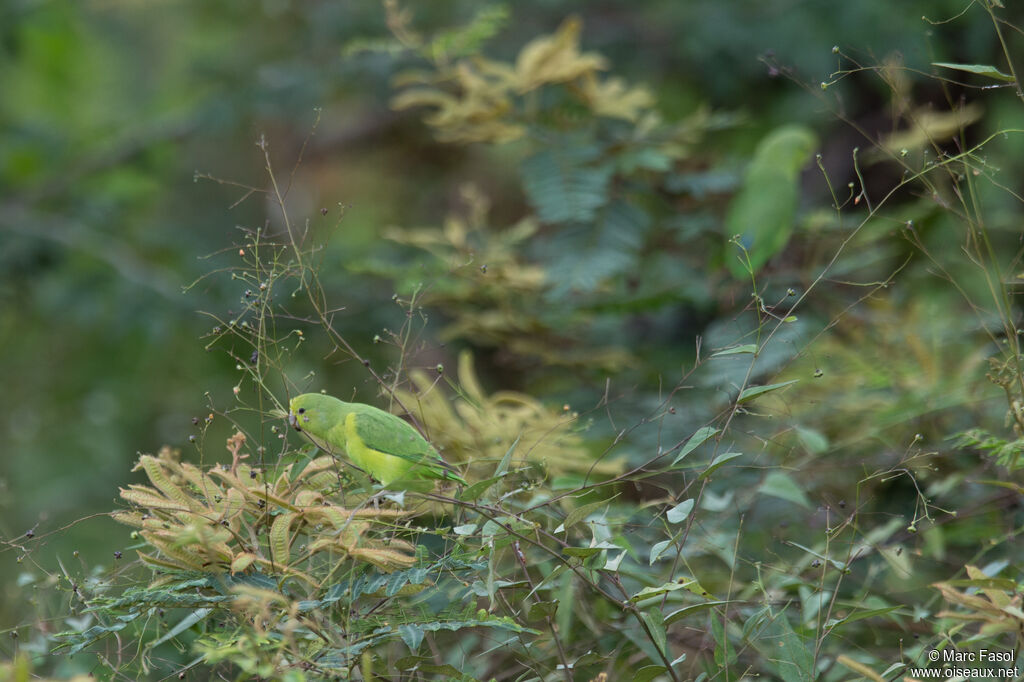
x=302, y=410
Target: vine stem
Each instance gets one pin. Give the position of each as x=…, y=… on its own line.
x=315, y=292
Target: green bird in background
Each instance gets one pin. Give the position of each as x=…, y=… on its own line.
x=383, y=445
x=763, y=211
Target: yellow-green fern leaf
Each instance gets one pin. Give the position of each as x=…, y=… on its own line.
x=147, y=497
x=281, y=539
x=159, y=562
x=155, y=471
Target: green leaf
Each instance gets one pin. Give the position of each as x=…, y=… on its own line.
x=780, y=484
x=859, y=615
x=412, y=635
x=475, y=491
x=688, y=584
x=566, y=595
x=541, y=610
x=1016, y=487
x=837, y=564
x=754, y=621
x=813, y=440
x=980, y=69
x=725, y=653
x=369, y=584
x=680, y=512
x=425, y=664
x=612, y=564
x=747, y=348
x=719, y=461
x=77, y=641
x=582, y=552
x=580, y=513
x=656, y=630
x=984, y=583
x=506, y=459
x=184, y=624
x=589, y=658
x=658, y=548
x=400, y=579
x=695, y=441
x=692, y=609
x=649, y=672
x=495, y=622
x=713, y=502
x=791, y=657
x=749, y=394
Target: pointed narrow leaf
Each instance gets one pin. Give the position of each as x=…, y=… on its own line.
x=185, y=623
x=838, y=564
x=755, y=391
x=985, y=583
x=719, y=461
x=475, y=491
x=580, y=513
x=980, y=69
x=656, y=628
x=690, y=610
x=584, y=552
x=683, y=583
x=695, y=441
x=503, y=465
x=859, y=615
x=735, y=350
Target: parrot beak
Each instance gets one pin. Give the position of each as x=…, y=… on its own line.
x=293, y=421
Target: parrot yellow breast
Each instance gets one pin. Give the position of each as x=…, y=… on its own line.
x=382, y=466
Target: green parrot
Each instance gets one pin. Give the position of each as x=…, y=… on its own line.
x=763, y=211
x=383, y=445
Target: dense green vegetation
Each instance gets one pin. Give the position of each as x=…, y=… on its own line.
x=713, y=305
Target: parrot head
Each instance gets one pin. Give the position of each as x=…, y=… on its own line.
x=313, y=412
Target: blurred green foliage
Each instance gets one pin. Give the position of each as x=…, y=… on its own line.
x=545, y=196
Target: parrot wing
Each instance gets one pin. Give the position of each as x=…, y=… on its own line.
x=384, y=432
